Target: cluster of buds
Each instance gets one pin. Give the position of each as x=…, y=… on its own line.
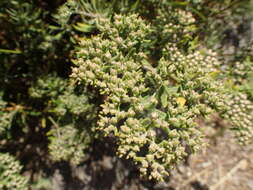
x=241, y=71
x=204, y=61
x=184, y=17
x=68, y=144
x=151, y=109
x=240, y=116
x=10, y=176
x=174, y=24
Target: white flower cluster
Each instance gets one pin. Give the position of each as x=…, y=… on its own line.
x=174, y=24
x=67, y=143
x=185, y=18
x=241, y=70
x=240, y=115
x=204, y=61
x=195, y=74
x=10, y=176
x=150, y=108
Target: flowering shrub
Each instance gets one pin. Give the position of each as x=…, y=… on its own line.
x=240, y=115
x=138, y=72
x=151, y=108
x=10, y=177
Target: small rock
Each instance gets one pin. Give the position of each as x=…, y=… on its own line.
x=250, y=184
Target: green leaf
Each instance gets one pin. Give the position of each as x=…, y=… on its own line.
x=82, y=27
x=199, y=14
x=161, y=114
x=229, y=84
x=54, y=27
x=135, y=5
x=171, y=90
x=146, y=122
x=194, y=43
x=10, y=51
x=35, y=113
x=164, y=99
x=94, y=4
x=214, y=74
x=43, y=122
x=183, y=3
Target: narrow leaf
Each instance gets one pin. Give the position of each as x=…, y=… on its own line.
x=10, y=51
x=82, y=27
x=164, y=99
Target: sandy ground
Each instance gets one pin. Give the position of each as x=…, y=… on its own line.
x=223, y=165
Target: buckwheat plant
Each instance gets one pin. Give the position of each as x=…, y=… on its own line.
x=241, y=70
x=150, y=108
x=70, y=114
x=240, y=105
x=68, y=144
x=174, y=25
x=6, y=117
x=10, y=177
x=240, y=115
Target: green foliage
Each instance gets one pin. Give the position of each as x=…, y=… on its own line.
x=71, y=115
x=10, y=177
x=47, y=87
x=68, y=143
x=6, y=117
x=139, y=72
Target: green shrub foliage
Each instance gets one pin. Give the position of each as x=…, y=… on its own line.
x=10, y=177
x=142, y=73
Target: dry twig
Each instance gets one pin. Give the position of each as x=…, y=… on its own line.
x=241, y=164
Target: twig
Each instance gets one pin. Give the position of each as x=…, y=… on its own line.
x=15, y=107
x=215, y=14
x=220, y=173
x=229, y=174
